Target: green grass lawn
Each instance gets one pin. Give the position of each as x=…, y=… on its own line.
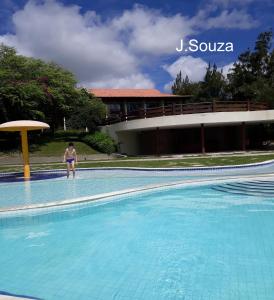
x=172, y=163
x=57, y=148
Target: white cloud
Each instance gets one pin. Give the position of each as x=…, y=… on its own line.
x=113, y=52
x=93, y=50
x=149, y=31
x=134, y=81
x=194, y=68
x=226, y=69
x=231, y=19
x=80, y=43
x=167, y=87
x=227, y=19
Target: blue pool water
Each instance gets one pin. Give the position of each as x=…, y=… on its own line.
x=87, y=183
x=93, y=182
x=187, y=243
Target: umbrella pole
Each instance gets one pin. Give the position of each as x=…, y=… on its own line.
x=25, y=151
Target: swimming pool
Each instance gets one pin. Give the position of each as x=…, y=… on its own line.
x=158, y=238
x=15, y=193
x=87, y=183
x=180, y=243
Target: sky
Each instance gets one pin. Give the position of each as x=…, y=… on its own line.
x=128, y=44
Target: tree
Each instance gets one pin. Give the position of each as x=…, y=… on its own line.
x=33, y=89
x=87, y=112
x=252, y=75
x=17, y=92
x=212, y=87
x=184, y=86
x=214, y=84
x=176, y=87
x=251, y=78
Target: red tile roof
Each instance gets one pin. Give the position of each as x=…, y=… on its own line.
x=128, y=93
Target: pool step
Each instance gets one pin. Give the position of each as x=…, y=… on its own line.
x=250, y=188
x=255, y=184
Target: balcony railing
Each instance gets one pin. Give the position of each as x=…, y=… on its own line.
x=188, y=108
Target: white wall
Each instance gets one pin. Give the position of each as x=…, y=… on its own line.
x=127, y=140
x=193, y=120
x=126, y=133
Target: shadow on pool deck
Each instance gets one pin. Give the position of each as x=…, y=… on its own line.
x=18, y=177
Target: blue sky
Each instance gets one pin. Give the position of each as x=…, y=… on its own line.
x=111, y=43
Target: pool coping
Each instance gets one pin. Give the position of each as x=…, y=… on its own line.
x=10, y=211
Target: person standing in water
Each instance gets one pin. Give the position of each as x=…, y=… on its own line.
x=70, y=157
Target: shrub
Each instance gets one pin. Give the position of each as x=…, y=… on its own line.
x=9, y=141
x=72, y=133
x=100, y=141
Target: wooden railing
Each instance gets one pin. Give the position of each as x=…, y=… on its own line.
x=188, y=108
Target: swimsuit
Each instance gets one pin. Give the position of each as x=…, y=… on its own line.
x=69, y=160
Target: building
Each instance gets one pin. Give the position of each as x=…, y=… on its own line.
x=148, y=122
